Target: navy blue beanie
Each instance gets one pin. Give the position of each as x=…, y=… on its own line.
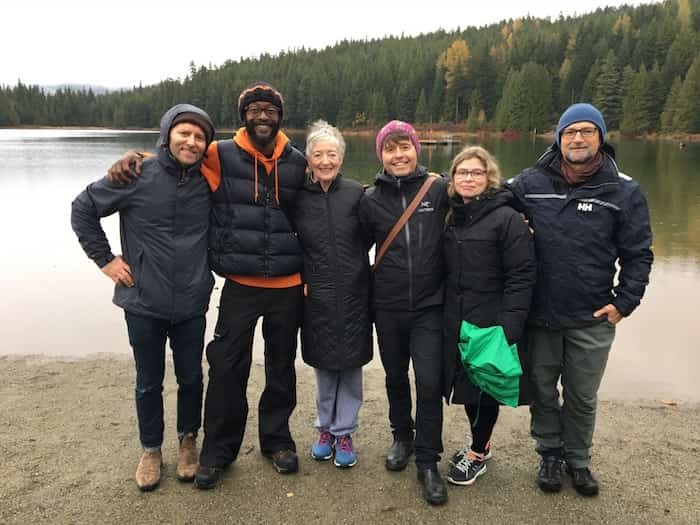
x=579, y=113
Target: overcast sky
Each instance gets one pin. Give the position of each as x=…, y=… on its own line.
x=124, y=42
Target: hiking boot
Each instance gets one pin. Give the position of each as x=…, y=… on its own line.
x=207, y=477
x=549, y=476
x=583, y=481
x=398, y=455
x=148, y=470
x=188, y=458
x=285, y=461
x=457, y=456
x=470, y=467
x=345, y=456
x=323, y=448
x=434, y=487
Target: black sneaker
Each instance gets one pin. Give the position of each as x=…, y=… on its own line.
x=285, y=461
x=549, y=476
x=583, y=481
x=457, y=456
x=470, y=467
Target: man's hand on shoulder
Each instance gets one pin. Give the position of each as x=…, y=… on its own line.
x=118, y=271
x=611, y=312
x=127, y=168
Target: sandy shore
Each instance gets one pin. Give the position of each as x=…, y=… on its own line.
x=70, y=448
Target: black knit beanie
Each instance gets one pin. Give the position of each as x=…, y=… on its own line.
x=259, y=91
x=197, y=119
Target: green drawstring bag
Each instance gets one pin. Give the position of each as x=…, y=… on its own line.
x=491, y=363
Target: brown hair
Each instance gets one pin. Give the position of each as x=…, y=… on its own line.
x=493, y=172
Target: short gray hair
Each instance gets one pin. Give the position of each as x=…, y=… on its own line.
x=322, y=130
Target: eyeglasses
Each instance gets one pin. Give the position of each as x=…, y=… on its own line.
x=255, y=111
x=586, y=133
x=475, y=174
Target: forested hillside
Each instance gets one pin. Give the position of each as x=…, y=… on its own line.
x=640, y=66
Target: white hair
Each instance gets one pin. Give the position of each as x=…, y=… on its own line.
x=322, y=130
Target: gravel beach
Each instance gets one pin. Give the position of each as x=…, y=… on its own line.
x=70, y=445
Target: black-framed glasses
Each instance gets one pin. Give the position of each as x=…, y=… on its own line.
x=256, y=111
x=474, y=174
x=586, y=133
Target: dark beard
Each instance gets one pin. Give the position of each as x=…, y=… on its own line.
x=259, y=141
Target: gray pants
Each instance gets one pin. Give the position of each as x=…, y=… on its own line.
x=578, y=356
x=338, y=400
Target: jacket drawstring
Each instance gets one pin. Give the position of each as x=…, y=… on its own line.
x=255, y=180
x=277, y=184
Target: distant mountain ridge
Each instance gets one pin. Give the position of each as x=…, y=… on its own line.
x=97, y=90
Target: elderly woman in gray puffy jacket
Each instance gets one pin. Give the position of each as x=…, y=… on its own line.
x=336, y=330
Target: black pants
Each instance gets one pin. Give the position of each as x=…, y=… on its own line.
x=418, y=336
x=230, y=356
x=485, y=417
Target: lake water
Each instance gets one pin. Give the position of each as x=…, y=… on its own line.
x=56, y=302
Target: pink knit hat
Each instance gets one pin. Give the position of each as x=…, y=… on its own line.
x=400, y=128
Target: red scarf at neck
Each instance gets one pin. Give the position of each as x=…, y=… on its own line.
x=576, y=174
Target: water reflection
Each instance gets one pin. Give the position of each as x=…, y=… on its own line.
x=55, y=301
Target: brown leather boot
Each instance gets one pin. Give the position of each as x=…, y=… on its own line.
x=148, y=471
x=188, y=458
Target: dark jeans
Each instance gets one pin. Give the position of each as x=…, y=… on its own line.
x=416, y=336
x=147, y=338
x=230, y=356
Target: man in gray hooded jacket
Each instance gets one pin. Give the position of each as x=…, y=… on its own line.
x=162, y=280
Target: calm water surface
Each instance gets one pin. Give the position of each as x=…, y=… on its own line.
x=57, y=302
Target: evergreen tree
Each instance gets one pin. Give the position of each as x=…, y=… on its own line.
x=378, y=112
x=8, y=112
x=638, y=106
x=589, y=86
x=477, y=115
x=527, y=99
x=608, y=91
x=671, y=108
x=422, y=111
x=687, y=115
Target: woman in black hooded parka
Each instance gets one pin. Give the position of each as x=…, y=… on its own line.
x=490, y=274
x=336, y=333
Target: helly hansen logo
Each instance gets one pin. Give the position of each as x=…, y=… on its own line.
x=425, y=206
x=585, y=206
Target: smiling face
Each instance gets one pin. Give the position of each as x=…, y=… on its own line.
x=580, y=142
x=187, y=143
x=469, y=178
x=262, y=121
x=325, y=161
x=399, y=157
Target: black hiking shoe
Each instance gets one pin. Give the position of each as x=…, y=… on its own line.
x=285, y=461
x=549, y=476
x=583, y=481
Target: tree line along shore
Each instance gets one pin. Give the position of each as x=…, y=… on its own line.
x=639, y=65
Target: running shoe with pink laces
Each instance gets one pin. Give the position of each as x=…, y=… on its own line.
x=345, y=456
x=323, y=448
